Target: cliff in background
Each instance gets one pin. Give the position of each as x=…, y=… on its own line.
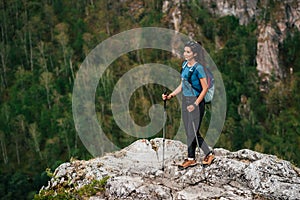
x=274, y=19
x=135, y=172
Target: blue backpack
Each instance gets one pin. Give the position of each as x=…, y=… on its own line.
x=210, y=82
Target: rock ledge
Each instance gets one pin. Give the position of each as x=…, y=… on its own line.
x=136, y=173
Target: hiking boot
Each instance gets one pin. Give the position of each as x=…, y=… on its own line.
x=208, y=159
x=188, y=163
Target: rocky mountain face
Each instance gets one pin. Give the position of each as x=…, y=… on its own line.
x=244, y=10
x=274, y=19
x=135, y=172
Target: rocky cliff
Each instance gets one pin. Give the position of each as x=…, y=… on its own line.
x=274, y=19
x=135, y=172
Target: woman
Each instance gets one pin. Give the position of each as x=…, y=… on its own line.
x=193, y=87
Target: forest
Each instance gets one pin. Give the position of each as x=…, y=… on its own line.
x=43, y=44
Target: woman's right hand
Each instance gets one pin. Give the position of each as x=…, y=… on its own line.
x=167, y=96
x=164, y=97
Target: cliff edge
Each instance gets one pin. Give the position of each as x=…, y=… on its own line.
x=135, y=172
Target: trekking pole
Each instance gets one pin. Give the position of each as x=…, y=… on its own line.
x=164, y=130
x=198, y=145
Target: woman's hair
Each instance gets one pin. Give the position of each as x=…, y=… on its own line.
x=196, y=48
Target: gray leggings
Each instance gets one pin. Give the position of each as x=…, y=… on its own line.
x=192, y=121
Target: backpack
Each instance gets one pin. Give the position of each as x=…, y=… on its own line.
x=210, y=82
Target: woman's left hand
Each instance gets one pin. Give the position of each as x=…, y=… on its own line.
x=190, y=108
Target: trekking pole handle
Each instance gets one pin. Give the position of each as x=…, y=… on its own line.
x=165, y=100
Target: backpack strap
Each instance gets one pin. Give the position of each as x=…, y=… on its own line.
x=209, y=79
x=183, y=66
x=191, y=71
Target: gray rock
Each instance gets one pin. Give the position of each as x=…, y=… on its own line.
x=136, y=173
x=123, y=186
x=244, y=10
x=270, y=34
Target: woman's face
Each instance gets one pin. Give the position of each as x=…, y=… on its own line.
x=188, y=54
